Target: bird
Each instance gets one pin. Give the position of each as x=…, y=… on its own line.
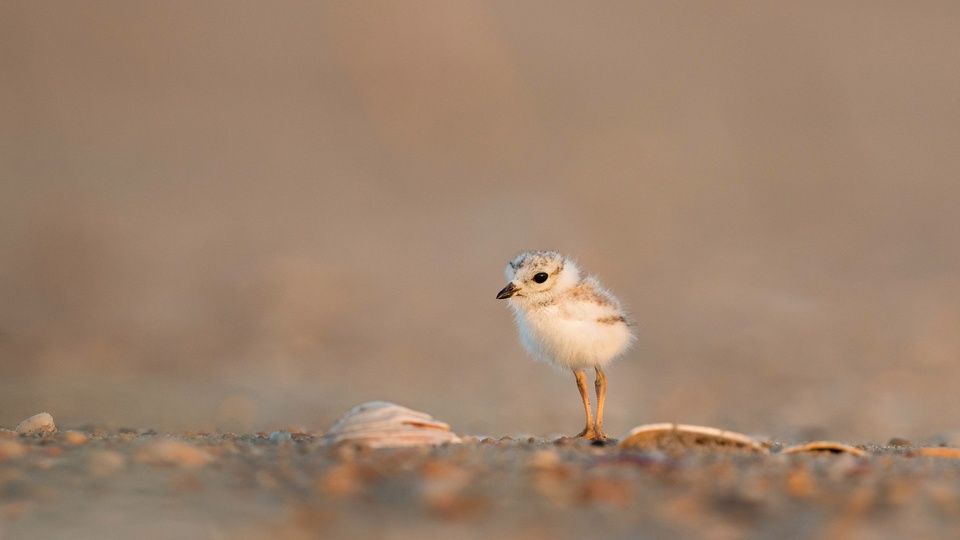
x=569, y=321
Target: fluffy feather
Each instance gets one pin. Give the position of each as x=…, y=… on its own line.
x=569, y=321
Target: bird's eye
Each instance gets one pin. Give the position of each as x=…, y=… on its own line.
x=541, y=277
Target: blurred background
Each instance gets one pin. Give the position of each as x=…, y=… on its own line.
x=252, y=216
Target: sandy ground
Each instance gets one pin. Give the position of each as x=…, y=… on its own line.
x=94, y=483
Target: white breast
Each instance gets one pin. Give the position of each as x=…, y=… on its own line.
x=570, y=336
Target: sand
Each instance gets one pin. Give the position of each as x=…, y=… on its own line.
x=95, y=483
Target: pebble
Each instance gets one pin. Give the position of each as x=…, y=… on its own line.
x=11, y=449
x=279, y=436
x=75, y=437
x=170, y=452
x=37, y=424
x=543, y=459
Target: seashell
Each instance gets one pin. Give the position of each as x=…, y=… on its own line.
x=38, y=424
x=824, y=447
x=381, y=424
x=680, y=436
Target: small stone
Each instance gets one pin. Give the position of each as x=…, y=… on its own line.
x=170, y=452
x=37, y=424
x=11, y=449
x=279, y=436
x=565, y=442
x=897, y=441
x=75, y=437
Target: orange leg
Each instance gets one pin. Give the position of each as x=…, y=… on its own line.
x=588, y=431
x=601, y=385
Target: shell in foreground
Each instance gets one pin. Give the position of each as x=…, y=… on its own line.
x=668, y=436
x=381, y=424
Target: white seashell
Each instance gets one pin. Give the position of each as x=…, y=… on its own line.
x=37, y=424
x=381, y=424
x=829, y=447
x=673, y=436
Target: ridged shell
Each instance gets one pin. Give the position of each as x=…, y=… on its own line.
x=824, y=447
x=381, y=424
x=669, y=436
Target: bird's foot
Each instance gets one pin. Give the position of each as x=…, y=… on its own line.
x=594, y=433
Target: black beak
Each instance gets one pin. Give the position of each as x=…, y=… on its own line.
x=507, y=291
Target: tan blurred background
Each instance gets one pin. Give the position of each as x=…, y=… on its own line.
x=248, y=216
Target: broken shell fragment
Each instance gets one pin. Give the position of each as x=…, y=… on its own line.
x=381, y=424
x=827, y=447
x=668, y=436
